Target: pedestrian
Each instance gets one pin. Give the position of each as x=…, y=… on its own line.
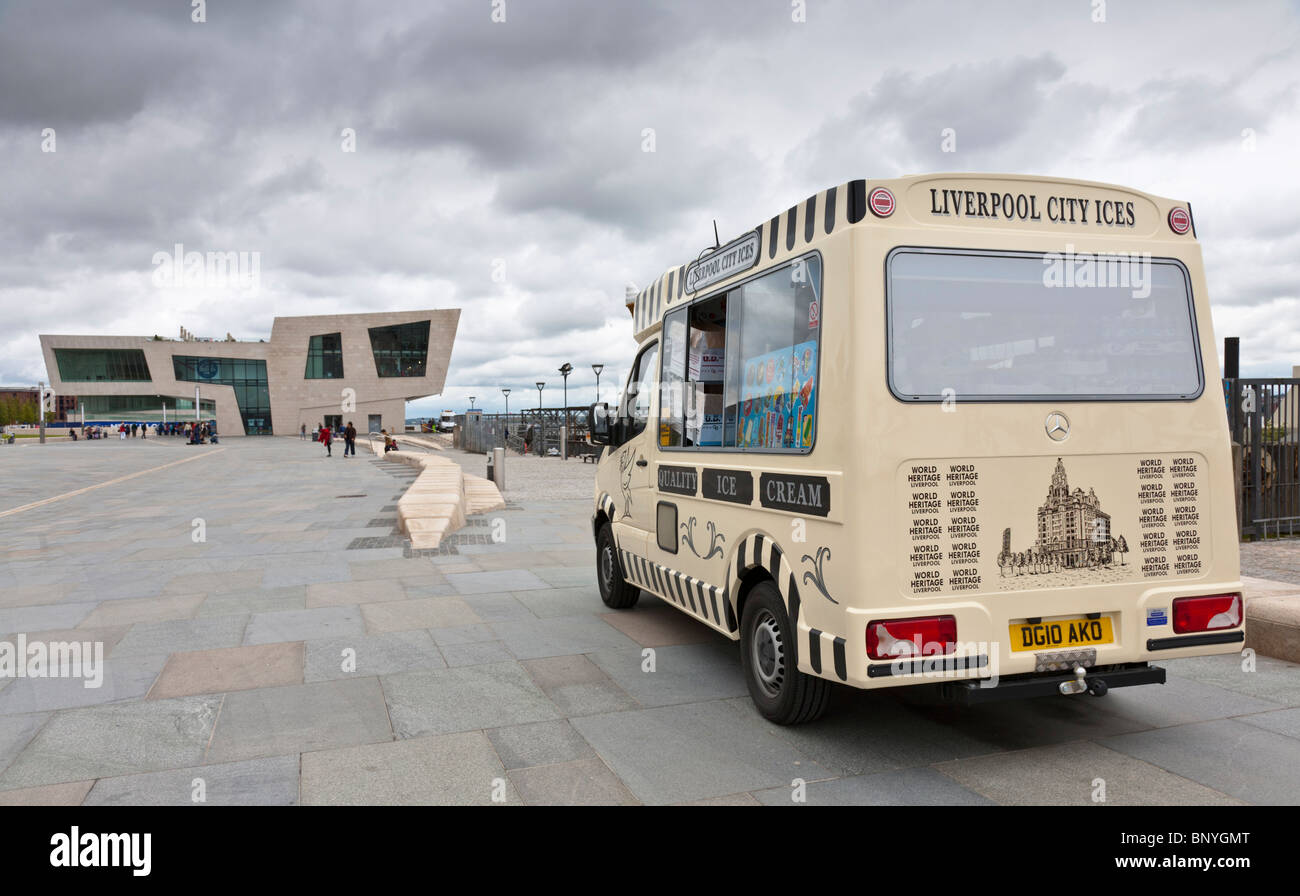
x=350, y=440
x=326, y=439
x=528, y=440
x=303, y=435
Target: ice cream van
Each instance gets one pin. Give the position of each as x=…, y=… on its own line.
x=950, y=429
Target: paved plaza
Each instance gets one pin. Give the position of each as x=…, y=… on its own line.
x=270, y=640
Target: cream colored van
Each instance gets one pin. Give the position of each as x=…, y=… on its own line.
x=956, y=429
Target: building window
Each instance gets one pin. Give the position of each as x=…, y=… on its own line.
x=144, y=408
x=325, y=357
x=246, y=375
x=401, y=350
x=107, y=365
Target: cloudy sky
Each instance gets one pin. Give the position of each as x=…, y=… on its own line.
x=500, y=167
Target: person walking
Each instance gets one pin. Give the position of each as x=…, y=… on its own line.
x=304, y=432
x=326, y=439
x=350, y=440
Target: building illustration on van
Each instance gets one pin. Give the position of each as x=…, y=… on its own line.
x=1074, y=533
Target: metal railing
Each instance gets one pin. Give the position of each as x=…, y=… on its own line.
x=1264, y=419
x=532, y=431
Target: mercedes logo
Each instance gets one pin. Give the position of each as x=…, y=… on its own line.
x=1058, y=426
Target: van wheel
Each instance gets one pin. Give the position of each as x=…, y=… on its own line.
x=781, y=692
x=614, y=591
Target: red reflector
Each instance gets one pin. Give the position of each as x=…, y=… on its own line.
x=1179, y=221
x=1207, y=614
x=889, y=639
x=881, y=202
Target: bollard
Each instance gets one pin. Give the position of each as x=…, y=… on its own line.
x=499, y=463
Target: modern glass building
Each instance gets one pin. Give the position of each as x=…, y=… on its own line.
x=359, y=368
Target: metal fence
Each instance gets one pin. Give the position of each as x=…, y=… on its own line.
x=533, y=431
x=1264, y=419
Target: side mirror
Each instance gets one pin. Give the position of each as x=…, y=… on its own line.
x=598, y=424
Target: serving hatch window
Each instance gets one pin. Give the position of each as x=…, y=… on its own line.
x=987, y=326
x=740, y=367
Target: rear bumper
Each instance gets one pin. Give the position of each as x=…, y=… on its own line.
x=970, y=693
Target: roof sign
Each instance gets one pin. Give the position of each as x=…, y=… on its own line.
x=738, y=255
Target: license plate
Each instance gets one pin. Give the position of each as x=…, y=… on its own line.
x=1061, y=633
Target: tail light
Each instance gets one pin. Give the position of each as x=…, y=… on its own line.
x=1207, y=614
x=889, y=639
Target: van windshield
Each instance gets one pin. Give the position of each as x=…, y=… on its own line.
x=990, y=326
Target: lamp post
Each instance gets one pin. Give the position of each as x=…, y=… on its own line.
x=564, y=419
x=506, y=393
x=598, y=368
x=540, y=387
x=471, y=402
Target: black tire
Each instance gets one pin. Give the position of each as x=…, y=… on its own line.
x=781, y=692
x=614, y=591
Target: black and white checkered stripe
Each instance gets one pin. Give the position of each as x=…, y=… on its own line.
x=784, y=236
x=705, y=602
x=760, y=551
x=606, y=503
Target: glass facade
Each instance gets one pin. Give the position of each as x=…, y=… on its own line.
x=401, y=350
x=246, y=375
x=102, y=365
x=325, y=357
x=142, y=408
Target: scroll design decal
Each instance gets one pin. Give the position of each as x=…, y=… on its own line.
x=715, y=538
x=817, y=575
x=626, y=462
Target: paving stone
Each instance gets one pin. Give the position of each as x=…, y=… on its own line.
x=1232, y=757
x=428, y=612
x=257, y=600
x=16, y=731
x=462, y=634
x=444, y=770
x=662, y=627
x=735, y=799
x=551, y=602
x=229, y=669
x=906, y=787
x=1066, y=774
x=337, y=594
x=255, y=782
x=530, y=638
x=672, y=754
x=498, y=607
x=313, y=716
x=148, y=609
x=1283, y=721
x=475, y=654
x=539, y=743
x=1270, y=679
x=460, y=699
x=39, y=618
x=494, y=582
x=69, y=794
x=182, y=634
x=304, y=625
x=584, y=782
x=118, y=739
x=123, y=678
x=683, y=674
x=372, y=655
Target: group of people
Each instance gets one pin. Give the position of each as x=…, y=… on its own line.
x=326, y=437
x=194, y=433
